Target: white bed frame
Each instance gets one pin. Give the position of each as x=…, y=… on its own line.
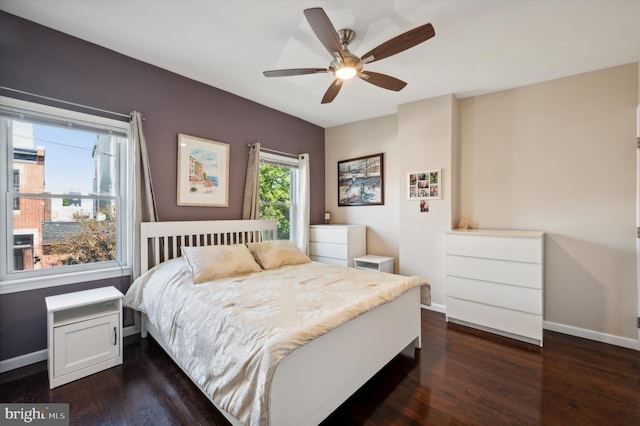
x=312, y=381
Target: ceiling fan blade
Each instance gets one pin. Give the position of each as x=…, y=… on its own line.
x=332, y=91
x=382, y=80
x=294, y=71
x=324, y=30
x=400, y=43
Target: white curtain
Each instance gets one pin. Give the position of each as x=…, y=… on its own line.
x=250, y=204
x=145, y=203
x=304, y=202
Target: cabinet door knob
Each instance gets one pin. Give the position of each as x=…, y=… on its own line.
x=115, y=336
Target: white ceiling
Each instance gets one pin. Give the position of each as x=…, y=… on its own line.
x=480, y=46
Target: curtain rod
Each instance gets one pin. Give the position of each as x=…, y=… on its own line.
x=273, y=151
x=128, y=116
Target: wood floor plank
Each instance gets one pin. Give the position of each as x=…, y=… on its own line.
x=460, y=377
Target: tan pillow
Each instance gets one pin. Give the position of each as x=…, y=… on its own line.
x=209, y=263
x=271, y=254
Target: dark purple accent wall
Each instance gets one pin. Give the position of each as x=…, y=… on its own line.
x=40, y=60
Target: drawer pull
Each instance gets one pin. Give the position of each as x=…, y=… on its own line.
x=115, y=336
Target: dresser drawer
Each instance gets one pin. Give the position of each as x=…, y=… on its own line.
x=506, y=296
x=335, y=251
x=500, y=271
x=506, y=320
x=506, y=248
x=329, y=235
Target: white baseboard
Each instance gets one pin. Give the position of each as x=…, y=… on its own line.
x=598, y=336
x=23, y=360
x=130, y=330
x=33, y=357
x=435, y=307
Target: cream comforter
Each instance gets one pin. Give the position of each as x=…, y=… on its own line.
x=230, y=334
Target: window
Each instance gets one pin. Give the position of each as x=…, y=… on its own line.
x=278, y=189
x=72, y=182
x=23, y=251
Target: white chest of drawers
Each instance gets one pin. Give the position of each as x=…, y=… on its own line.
x=495, y=281
x=337, y=244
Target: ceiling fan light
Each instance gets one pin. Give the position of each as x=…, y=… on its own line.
x=346, y=73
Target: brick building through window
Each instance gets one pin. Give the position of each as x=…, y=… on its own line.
x=28, y=213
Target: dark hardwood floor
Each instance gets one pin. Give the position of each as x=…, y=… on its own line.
x=460, y=376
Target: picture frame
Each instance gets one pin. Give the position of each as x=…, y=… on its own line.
x=361, y=181
x=424, y=185
x=203, y=172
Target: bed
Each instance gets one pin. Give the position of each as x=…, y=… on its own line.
x=294, y=372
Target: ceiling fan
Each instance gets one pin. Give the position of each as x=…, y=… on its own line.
x=345, y=64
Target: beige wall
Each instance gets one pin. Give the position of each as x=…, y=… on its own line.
x=427, y=140
x=356, y=140
x=560, y=157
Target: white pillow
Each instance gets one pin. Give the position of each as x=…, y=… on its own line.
x=271, y=254
x=208, y=263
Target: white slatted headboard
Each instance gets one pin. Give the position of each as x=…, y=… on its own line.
x=161, y=241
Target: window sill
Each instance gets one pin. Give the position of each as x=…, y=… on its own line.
x=35, y=283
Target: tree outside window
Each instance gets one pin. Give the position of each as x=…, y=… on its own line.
x=276, y=201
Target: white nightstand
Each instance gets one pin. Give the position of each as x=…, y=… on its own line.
x=374, y=263
x=84, y=331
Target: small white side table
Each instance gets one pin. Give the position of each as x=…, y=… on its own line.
x=374, y=263
x=84, y=331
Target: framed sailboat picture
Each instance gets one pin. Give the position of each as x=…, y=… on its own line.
x=361, y=181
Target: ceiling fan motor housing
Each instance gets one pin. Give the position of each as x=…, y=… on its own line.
x=350, y=61
x=346, y=36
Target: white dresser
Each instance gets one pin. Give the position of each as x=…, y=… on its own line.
x=337, y=244
x=495, y=281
